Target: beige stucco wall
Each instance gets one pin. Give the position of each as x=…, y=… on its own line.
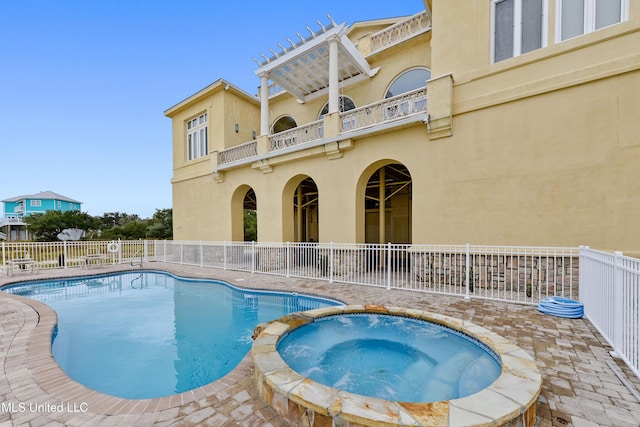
x=547, y=143
x=544, y=148
x=553, y=169
x=337, y=181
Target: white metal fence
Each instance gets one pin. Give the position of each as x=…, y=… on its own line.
x=610, y=292
x=607, y=284
x=16, y=256
x=515, y=274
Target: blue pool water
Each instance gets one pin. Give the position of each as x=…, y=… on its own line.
x=390, y=357
x=151, y=334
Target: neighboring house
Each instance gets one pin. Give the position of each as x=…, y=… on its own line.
x=500, y=122
x=16, y=208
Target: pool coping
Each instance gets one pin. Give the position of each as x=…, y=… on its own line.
x=509, y=400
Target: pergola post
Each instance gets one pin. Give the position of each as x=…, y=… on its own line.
x=333, y=75
x=264, y=104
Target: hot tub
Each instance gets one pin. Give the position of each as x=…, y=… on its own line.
x=509, y=400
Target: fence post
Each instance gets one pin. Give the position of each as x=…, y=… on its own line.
x=224, y=255
x=287, y=255
x=467, y=268
x=331, y=263
x=581, y=275
x=201, y=254
x=64, y=254
x=388, y=265
x=181, y=251
x=4, y=257
x=164, y=251
x=618, y=304
x=145, y=249
x=253, y=257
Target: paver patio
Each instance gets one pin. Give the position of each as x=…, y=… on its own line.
x=579, y=386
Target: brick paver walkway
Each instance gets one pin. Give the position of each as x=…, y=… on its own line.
x=579, y=389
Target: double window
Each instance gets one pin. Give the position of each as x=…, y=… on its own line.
x=577, y=17
x=197, y=144
x=518, y=26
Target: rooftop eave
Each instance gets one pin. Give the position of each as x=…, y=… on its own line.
x=213, y=87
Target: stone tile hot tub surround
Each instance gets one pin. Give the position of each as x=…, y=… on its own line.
x=510, y=400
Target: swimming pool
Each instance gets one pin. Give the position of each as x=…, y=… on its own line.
x=152, y=334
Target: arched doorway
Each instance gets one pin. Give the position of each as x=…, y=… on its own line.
x=250, y=216
x=244, y=214
x=387, y=205
x=300, y=219
x=305, y=211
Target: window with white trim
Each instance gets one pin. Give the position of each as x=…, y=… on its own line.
x=36, y=203
x=197, y=139
x=578, y=17
x=518, y=26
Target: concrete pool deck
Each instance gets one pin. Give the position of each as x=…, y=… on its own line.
x=579, y=387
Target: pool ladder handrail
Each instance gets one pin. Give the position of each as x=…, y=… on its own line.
x=139, y=251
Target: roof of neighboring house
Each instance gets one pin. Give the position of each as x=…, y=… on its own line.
x=42, y=195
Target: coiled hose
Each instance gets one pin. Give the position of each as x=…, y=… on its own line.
x=561, y=307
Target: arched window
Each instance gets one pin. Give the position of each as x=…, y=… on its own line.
x=408, y=81
x=344, y=104
x=284, y=123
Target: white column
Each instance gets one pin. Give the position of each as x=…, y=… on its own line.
x=264, y=104
x=333, y=75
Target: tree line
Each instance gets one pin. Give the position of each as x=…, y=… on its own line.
x=110, y=226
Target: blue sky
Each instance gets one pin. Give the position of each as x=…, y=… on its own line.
x=84, y=84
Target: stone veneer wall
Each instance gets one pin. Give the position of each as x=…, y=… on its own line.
x=526, y=273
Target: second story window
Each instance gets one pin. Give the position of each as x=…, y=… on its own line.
x=344, y=104
x=517, y=27
x=35, y=203
x=408, y=81
x=577, y=17
x=197, y=144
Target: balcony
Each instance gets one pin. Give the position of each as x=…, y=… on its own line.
x=378, y=117
x=404, y=30
x=11, y=220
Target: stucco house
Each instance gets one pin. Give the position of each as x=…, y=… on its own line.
x=16, y=208
x=498, y=122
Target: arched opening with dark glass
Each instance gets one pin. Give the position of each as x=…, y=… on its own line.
x=344, y=104
x=283, y=123
x=413, y=79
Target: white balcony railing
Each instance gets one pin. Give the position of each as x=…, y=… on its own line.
x=239, y=152
x=407, y=104
x=299, y=135
x=389, y=110
x=11, y=220
x=410, y=27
